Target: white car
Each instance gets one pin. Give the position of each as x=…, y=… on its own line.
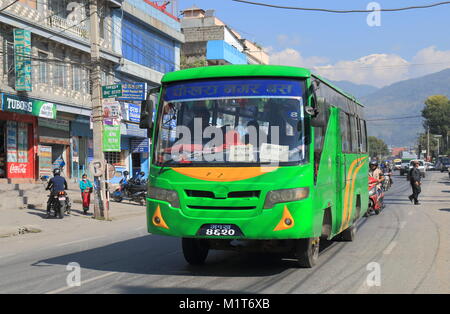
x=421, y=167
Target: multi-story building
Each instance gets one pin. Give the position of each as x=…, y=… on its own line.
x=53, y=74
x=46, y=90
x=209, y=41
x=149, y=42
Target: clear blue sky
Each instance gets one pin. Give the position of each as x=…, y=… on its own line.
x=337, y=37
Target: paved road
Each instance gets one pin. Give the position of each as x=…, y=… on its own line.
x=410, y=244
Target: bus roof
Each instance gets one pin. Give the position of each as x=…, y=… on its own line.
x=235, y=71
x=247, y=70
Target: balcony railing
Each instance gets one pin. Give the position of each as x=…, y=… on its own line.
x=63, y=24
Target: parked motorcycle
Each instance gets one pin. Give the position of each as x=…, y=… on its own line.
x=58, y=204
x=133, y=190
x=376, y=196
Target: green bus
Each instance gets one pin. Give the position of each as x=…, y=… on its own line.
x=256, y=158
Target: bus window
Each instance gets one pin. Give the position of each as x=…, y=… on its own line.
x=345, y=132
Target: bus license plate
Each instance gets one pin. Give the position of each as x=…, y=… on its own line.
x=220, y=230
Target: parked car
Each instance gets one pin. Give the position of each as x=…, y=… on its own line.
x=404, y=169
x=443, y=163
x=429, y=166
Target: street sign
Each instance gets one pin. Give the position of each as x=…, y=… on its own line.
x=133, y=91
x=97, y=168
x=22, y=59
x=112, y=91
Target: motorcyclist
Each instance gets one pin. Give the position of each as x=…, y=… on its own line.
x=55, y=185
x=377, y=174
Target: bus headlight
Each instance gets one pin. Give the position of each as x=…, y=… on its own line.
x=283, y=196
x=169, y=196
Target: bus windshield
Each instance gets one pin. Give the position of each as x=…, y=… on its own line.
x=243, y=122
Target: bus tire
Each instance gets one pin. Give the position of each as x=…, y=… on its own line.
x=349, y=234
x=307, y=252
x=195, y=251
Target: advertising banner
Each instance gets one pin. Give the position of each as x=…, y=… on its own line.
x=134, y=113
x=45, y=161
x=140, y=145
x=22, y=59
x=25, y=105
x=111, y=138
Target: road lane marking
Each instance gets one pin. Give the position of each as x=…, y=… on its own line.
x=391, y=247
x=78, y=241
x=82, y=283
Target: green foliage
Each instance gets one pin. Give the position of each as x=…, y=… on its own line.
x=437, y=117
x=188, y=63
x=377, y=147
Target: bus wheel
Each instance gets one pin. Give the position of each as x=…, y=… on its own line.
x=195, y=251
x=348, y=234
x=307, y=252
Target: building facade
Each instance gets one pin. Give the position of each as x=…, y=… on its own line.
x=45, y=80
x=150, y=41
x=209, y=41
x=45, y=62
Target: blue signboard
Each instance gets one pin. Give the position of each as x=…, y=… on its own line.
x=133, y=91
x=134, y=113
x=140, y=145
x=234, y=89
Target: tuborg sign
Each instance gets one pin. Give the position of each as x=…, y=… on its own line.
x=38, y=108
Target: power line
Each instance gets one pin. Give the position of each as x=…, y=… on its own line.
x=9, y=5
x=397, y=118
x=343, y=11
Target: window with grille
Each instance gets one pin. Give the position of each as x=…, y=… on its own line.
x=114, y=158
x=42, y=63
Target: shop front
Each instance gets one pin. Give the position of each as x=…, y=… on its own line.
x=82, y=146
x=18, y=135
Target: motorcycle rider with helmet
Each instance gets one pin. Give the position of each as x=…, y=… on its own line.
x=377, y=174
x=55, y=185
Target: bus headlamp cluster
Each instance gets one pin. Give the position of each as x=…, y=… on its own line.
x=283, y=196
x=169, y=196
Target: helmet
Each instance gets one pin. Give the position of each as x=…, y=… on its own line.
x=126, y=173
x=142, y=173
x=56, y=172
x=373, y=163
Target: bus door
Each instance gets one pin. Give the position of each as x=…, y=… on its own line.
x=344, y=177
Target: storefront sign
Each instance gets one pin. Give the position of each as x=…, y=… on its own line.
x=25, y=105
x=134, y=130
x=62, y=125
x=133, y=91
x=139, y=145
x=11, y=141
x=45, y=161
x=111, y=109
x=112, y=91
x=111, y=138
x=22, y=59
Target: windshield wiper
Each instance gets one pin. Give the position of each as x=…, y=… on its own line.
x=165, y=164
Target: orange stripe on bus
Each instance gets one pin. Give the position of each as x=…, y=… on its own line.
x=347, y=219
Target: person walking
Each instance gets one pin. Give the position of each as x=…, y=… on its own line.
x=414, y=177
x=86, y=190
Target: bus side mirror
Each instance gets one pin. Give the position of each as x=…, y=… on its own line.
x=147, y=106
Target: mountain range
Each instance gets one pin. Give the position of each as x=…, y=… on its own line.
x=402, y=99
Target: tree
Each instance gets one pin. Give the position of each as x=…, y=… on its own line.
x=377, y=147
x=437, y=117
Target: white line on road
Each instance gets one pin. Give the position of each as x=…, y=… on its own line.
x=82, y=283
x=390, y=248
x=78, y=241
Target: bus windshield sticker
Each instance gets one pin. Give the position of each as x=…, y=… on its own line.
x=233, y=89
x=274, y=153
x=241, y=153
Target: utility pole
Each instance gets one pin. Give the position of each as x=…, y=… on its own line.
x=428, y=144
x=100, y=204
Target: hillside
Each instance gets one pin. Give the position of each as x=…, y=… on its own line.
x=405, y=98
x=356, y=90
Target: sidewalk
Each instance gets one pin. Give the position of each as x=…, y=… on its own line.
x=14, y=222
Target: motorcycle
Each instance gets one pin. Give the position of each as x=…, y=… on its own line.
x=58, y=204
x=376, y=196
x=387, y=183
x=133, y=190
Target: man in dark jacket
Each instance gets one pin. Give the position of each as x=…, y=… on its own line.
x=55, y=185
x=414, y=177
